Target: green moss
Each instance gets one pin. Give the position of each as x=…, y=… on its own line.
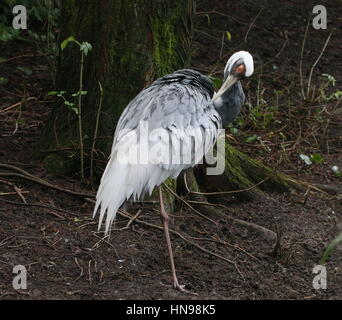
x=164, y=46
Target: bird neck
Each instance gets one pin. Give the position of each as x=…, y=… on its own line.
x=228, y=105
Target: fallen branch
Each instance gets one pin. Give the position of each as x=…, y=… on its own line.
x=269, y=234
x=16, y=189
x=25, y=175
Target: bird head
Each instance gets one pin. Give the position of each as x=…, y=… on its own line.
x=240, y=65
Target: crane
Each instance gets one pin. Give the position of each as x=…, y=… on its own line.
x=154, y=137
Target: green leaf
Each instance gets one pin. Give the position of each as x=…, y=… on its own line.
x=316, y=158
x=305, y=158
x=229, y=36
x=3, y=80
x=52, y=93
x=80, y=93
x=217, y=82
x=330, y=247
x=251, y=138
x=75, y=110
x=234, y=131
x=69, y=104
x=67, y=41
x=86, y=47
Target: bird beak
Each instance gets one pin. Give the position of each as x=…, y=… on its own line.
x=231, y=79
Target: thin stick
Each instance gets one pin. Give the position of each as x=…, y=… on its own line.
x=129, y=222
x=17, y=104
x=314, y=65
x=250, y=26
x=16, y=189
x=301, y=59
x=81, y=273
x=80, y=117
x=225, y=192
x=190, y=206
x=25, y=175
x=95, y=133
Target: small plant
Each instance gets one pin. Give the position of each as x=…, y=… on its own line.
x=337, y=171
x=3, y=81
x=312, y=159
x=85, y=48
x=68, y=103
x=330, y=248
x=328, y=81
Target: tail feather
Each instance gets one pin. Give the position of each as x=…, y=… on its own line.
x=112, y=192
x=120, y=182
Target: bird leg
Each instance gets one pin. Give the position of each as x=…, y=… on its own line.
x=165, y=219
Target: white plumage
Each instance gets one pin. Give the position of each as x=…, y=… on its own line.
x=183, y=118
x=176, y=115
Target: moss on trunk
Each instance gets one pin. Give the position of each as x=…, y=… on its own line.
x=242, y=173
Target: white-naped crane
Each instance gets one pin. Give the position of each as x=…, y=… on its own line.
x=153, y=136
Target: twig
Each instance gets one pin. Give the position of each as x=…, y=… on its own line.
x=225, y=243
x=16, y=189
x=89, y=272
x=80, y=117
x=301, y=59
x=250, y=26
x=225, y=192
x=129, y=222
x=18, y=104
x=276, y=56
x=103, y=239
x=25, y=175
x=95, y=133
x=190, y=206
x=81, y=273
x=315, y=63
x=269, y=234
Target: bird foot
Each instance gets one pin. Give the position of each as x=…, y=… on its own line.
x=181, y=288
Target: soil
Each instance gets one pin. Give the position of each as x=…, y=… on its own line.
x=65, y=256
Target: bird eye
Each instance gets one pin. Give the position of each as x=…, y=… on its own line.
x=241, y=69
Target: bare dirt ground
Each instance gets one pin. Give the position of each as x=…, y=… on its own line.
x=67, y=259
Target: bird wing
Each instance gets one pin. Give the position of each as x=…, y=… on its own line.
x=176, y=104
x=177, y=111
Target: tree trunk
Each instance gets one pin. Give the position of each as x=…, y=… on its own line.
x=134, y=42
